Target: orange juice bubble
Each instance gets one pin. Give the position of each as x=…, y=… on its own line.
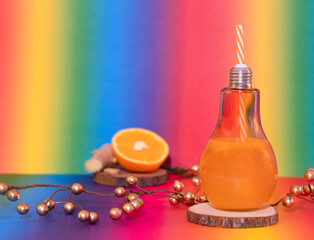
x=238, y=175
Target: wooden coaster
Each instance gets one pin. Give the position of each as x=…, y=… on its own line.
x=117, y=177
x=206, y=215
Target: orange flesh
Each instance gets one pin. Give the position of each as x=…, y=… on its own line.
x=139, y=150
x=238, y=175
x=154, y=149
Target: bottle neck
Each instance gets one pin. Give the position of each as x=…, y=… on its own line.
x=239, y=111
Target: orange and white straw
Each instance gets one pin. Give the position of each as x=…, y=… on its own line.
x=242, y=105
x=242, y=122
x=240, y=45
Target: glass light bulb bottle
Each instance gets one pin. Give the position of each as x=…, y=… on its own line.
x=238, y=168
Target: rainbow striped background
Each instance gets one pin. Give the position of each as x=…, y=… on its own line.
x=75, y=72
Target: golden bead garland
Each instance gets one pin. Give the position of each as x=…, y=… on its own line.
x=132, y=199
x=304, y=192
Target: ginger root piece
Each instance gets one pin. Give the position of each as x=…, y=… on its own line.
x=101, y=158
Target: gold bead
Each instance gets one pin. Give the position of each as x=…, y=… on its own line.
x=42, y=209
x=196, y=181
x=307, y=188
x=173, y=200
x=128, y=208
x=119, y=192
x=188, y=198
x=51, y=204
x=83, y=215
x=115, y=213
x=22, y=208
x=13, y=195
x=3, y=188
x=132, y=196
x=312, y=188
x=93, y=217
x=131, y=180
x=194, y=169
x=178, y=186
x=309, y=175
x=296, y=190
x=136, y=204
x=141, y=201
x=77, y=188
x=202, y=198
x=69, y=207
x=288, y=202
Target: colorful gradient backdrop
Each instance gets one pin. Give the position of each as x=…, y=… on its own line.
x=75, y=72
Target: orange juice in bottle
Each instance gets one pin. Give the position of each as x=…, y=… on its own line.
x=238, y=169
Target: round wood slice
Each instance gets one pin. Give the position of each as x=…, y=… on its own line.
x=206, y=215
x=117, y=177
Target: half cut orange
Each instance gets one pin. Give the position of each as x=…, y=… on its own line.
x=139, y=150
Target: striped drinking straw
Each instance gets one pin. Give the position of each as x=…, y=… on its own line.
x=242, y=107
x=240, y=45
